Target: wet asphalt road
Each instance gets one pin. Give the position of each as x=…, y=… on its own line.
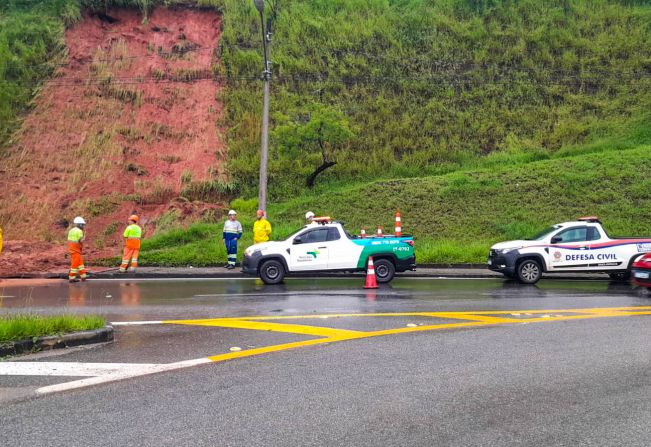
x=584, y=381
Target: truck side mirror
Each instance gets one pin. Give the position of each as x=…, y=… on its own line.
x=297, y=240
x=556, y=239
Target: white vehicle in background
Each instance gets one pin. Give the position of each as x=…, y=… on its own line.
x=569, y=247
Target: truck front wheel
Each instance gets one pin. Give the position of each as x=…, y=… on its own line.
x=529, y=271
x=384, y=270
x=272, y=272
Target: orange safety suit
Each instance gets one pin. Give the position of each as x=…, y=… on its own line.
x=132, y=236
x=75, y=241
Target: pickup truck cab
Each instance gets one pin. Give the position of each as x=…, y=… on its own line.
x=328, y=247
x=577, y=246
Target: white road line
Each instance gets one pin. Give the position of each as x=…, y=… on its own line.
x=74, y=369
x=133, y=323
x=121, y=375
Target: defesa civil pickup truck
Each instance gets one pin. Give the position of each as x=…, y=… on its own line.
x=578, y=246
x=328, y=247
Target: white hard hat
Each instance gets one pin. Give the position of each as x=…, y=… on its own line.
x=232, y=213
x=79, y=221
x=309, y=215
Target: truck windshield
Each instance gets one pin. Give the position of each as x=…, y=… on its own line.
x=544, y=233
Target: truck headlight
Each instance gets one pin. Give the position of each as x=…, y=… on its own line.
x=251, y=251
x=507, y=250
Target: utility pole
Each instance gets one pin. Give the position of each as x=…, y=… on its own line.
x=266, y=77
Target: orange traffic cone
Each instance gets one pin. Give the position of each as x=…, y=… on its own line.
x=379, y=231
x=398, y=224
x=371, y=280
x=362, y=232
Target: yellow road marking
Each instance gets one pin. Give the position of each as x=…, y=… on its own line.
x=431, y=314
x=235, y=323
x=266, y=349
x=329, y=335
x=468, y=316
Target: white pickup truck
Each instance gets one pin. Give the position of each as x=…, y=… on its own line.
x=327, y=247
x=578, y=246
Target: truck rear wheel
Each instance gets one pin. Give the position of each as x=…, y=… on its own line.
x=384, y=270
x=529, y=271
x=272, y=272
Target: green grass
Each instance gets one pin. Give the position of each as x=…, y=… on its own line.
x=200, y=244
x=481, y=120
x=20, y=327
x=434, y=87
x=457, y=216
x=485, y=206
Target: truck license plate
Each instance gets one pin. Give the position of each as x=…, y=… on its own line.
x=644, y=275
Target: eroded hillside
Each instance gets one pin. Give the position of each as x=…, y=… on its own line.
x=130, y=123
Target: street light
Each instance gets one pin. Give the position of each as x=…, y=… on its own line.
x=264, y=139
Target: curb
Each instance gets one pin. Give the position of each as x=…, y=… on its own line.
x=422, y=271
x=102, y=335
x=480, y=270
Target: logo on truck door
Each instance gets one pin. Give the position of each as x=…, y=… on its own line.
x=309, y=256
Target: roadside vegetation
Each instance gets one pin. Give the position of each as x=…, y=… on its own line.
x=455, y=217
x=21, y=327
x=480, y=120
x=421, y=88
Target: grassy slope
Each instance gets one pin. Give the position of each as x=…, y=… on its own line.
x=455, y=217
x=557, y=148
x=31, y=40
x=430, y=87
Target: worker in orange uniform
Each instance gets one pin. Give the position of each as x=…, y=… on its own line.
x=132, y=235
x=75, y=246
x=261, y=228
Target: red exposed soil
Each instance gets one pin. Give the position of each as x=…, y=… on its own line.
x=129, y=121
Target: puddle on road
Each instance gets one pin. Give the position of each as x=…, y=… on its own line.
x=300, y=294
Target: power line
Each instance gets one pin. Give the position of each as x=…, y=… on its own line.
x=435, y=81
x=433, y=64
x=111, y=60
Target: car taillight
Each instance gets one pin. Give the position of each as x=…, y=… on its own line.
x=410, y=242
x=642, y=261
